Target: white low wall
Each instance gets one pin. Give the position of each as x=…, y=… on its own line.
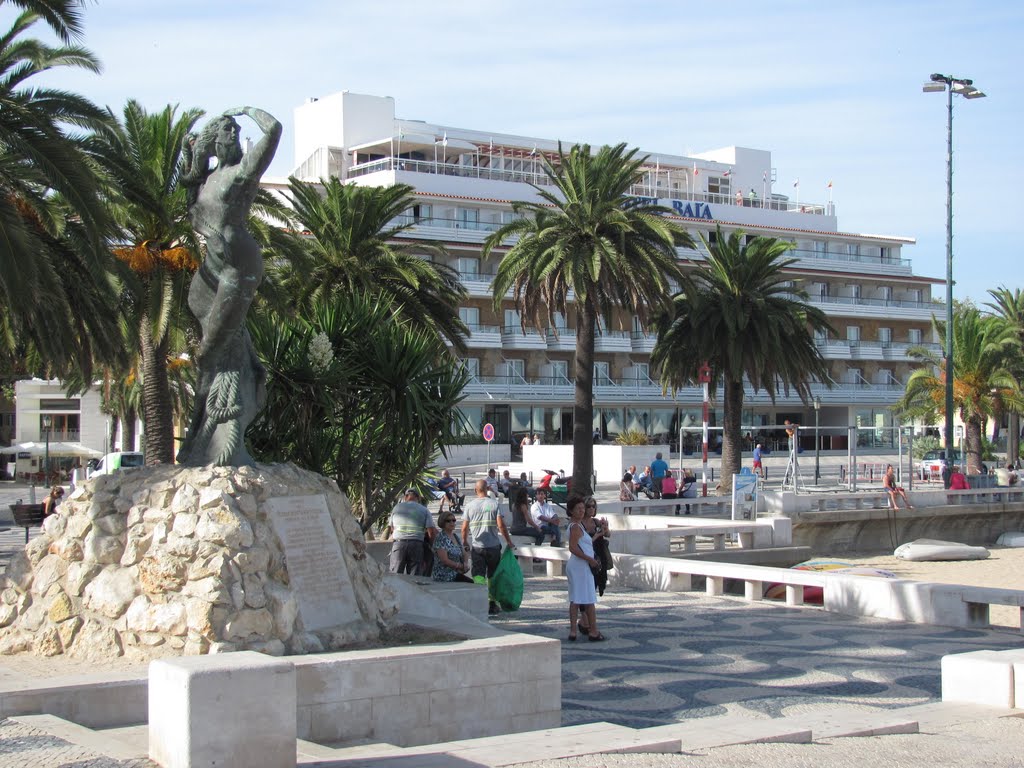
x=428, y=694
x=457, y=455
x=610, y=461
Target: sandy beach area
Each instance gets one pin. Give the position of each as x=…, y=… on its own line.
x=1004, y=567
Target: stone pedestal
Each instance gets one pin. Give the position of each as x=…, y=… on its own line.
x=165, y=561
x=233, y=711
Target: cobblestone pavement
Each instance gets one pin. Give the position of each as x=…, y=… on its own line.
x=22, y=746
x=673, y=656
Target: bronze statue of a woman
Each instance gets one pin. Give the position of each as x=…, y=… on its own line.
x=231, y=385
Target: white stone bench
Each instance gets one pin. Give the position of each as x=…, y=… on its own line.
x=555, y=558
x=991, y=678
x=860, y=500
x=979, y=600
x=701, y=505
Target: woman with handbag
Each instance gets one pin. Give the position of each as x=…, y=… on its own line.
x=597, y=527
x=582, y=592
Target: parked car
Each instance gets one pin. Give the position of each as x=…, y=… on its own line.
x=932, y=461
x=112, y=462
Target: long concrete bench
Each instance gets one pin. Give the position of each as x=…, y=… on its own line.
x=979, y=599
x=676, y=575
x=701, y=505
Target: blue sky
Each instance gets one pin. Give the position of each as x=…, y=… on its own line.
x=833, y=90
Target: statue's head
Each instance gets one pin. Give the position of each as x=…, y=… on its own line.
x=227, y=142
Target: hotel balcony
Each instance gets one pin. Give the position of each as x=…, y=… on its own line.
x=477, y=284
x=628, y=391
x=483, y=336
x=642, y=343
x=565, y=341
x=896, y=309
x=514, y=337
x=841, y=349
x=612, y=341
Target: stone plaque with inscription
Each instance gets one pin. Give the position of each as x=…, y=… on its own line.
x=316, y=568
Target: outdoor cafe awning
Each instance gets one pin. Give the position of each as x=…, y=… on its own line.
x=57, y=448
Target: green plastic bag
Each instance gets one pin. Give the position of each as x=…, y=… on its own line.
x=506, y=585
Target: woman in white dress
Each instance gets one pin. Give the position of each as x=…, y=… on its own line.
x=582, y=592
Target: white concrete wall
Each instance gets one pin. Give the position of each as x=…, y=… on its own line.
x=610, y=461
x=426, y=694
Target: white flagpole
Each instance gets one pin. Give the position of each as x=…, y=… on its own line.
x=399, y=158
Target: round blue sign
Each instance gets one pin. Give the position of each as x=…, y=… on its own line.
x=488, y=432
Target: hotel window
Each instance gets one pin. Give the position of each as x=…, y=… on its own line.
x=421, y=213
x=560, y=324
x=512, y=324
x=853, y=376
x=852, y=249
x=820, y=336
x=885, y=376
x=602, y=373
x=886, y=253
x=471, y=317
x=472, y=366
x=642, y=371
x=885, y=293
x=885, y=336
x=515, y=369
x=468, y=267
x=820, y=246
x=855, y=291
x=853, y=333
x=823, y=290
x=469, y=218
x=560, y=371
x=914, y=335
x=719, y=185
x=915, y=294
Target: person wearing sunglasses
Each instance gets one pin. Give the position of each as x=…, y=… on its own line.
x=449, y=561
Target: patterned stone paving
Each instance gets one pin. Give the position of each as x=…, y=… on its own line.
x=22, y=746
x=673, y=656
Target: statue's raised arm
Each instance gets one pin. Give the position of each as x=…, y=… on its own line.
x=230, y=389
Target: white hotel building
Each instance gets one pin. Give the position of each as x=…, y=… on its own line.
x=465, y=182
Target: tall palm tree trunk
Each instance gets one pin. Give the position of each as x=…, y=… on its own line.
x=128, y=419
x=972, y=444
x=1013, y=438
x=115, y=420
x=732, y=434
x=583, y=405
x=156, y=400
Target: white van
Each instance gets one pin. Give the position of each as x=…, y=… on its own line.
x=115, y=461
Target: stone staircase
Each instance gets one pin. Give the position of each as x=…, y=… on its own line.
x=571, y=741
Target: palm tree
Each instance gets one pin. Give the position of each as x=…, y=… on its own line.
x=586, y=237
x=141, y=156
x=983, y=348
x=357, y=394
x=1009, y=308
x=57, y=290
x=738, y=313
x=350, y=246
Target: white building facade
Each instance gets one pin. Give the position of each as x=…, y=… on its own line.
x=466, y=181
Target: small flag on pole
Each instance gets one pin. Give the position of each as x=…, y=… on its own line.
x=695, y=171
x=727, y=173
x=829, y=185
x=796, y=183
x=764, y=177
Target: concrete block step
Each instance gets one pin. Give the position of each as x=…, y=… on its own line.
x=941, y=714
x=727, y=730
x=848, y=722
x=507, y=749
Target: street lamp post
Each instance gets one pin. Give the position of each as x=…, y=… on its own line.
x=47, y=421
x=817, y=440
x=965, y=88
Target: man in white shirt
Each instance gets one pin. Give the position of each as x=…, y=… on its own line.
x=492, y=482
x=544, y=517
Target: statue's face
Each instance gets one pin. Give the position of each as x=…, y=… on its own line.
x=229, y=146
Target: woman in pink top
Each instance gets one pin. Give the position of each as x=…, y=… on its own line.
x=958, y=481
x=669, y=489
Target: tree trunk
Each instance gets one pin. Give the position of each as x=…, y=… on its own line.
x=128, y=430
x=1013, y=438
x=156, y=399
x=583, y=405
x=972, y=444
x=112, y=437
x=732, y=433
